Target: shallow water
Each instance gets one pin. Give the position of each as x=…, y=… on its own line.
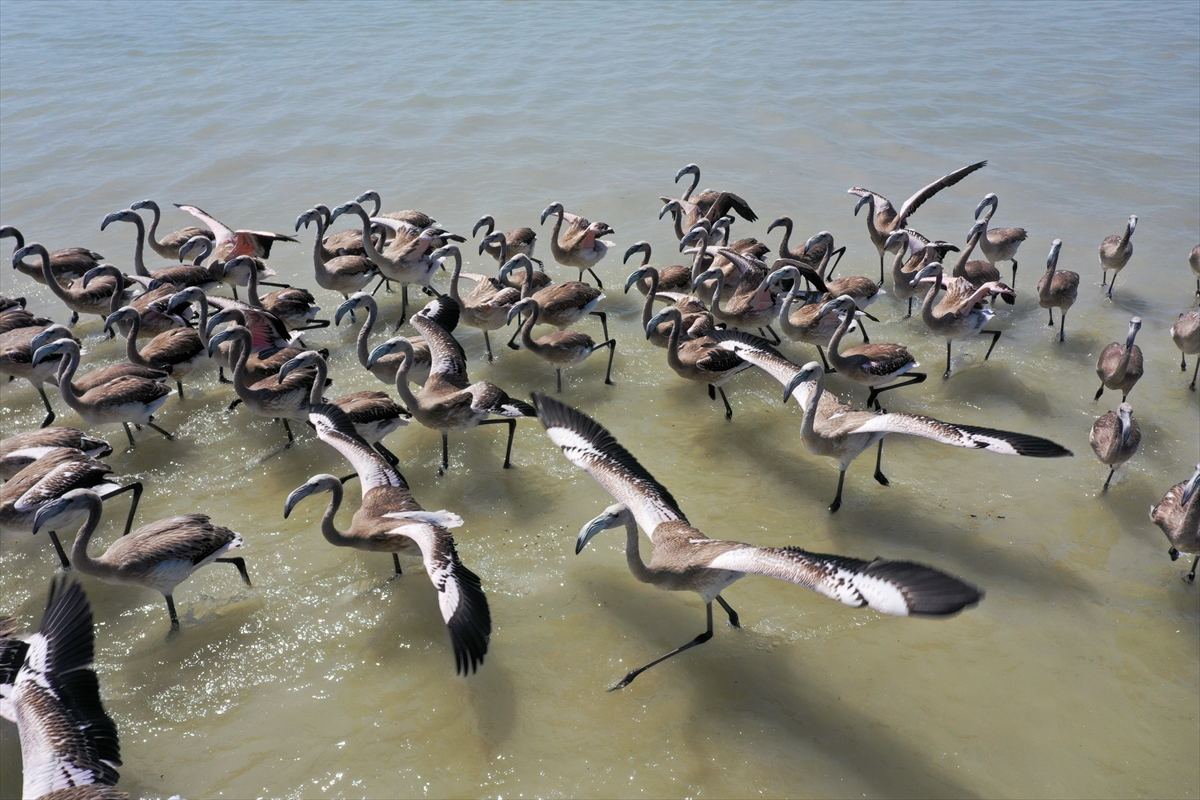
x=1078, y=674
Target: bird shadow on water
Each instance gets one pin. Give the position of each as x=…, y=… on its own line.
x=724, y=691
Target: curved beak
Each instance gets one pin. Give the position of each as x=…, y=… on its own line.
x=304, y=219
x=93, y=273
x=342, y=209
x=797, y=379
x=603, y=522
x=711, y=272
x=634, y=277
x=219, y=339
x=347, y=307
x=113, y=217
x=388, y=347
x=517, y=309
x=484, y=220
x=655, y=321
x=48, y=511
x=777, y=223
x=44, y=352
x=636, y=247
x=690, y=168
x=296, y=496
x=987, y=200
x=113, y=318
x=1055, y=246
x=550, y=209
x=862, y=202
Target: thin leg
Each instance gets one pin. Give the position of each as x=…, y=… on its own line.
x=863, y=329
x=376, y=289
x=995, y=338
x=612, y=351
x=1050, y=324
x=512, y=342
x=1099, y=392
x=388, y=455
x=240, y=563
x=881, y=268
x=403, y=301
x=168, y=436
x=599, y=285
x=946, y=374
x=837, y=501
x=909, y=314
x=288, y=428
x=725, y=400
x=488, y=344
x=913, y=377
x=235, y=297
x=129, y=433
x=1014, y=283
x=1062, y=326
x=701, y=639
x=136, y=488
x=821, y=353
x=180, y=385
x=774, y=335
x=841, y=251
x=171, y=608
x=1192, y=386
x=603, y=322
x=712, y=393
x=1183, y=363
x=558, y=375
x=733, y=615
x=1113, y=285
x=1192, y=575
x=879, y=476
x=445, y=453
x=1103, y=277
x=315, y=323
x=49, y=411
x=74, y=319
x=396, y=564
x=62, y=554
x=1108, y=480
x=236, y=402
x=221, y=376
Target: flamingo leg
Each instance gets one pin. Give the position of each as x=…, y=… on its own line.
x=701, y=639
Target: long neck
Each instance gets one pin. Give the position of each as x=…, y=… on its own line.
x=364, y=335
x=114, y=301
x=139, y=248
x=835, y=341
x=79, y=554
x=899, y=274
x=66, y=374
x=527, y=330
x=808, y=424
x=202, y=328
x=1125, y=238
x=52, y=282
x=252, y=287
x=716, y=298
x=960, y=266
x=527, y=287
x=240, y=387
x=317, y=396
x=152, y=233
x=328, y=528
x=785, y=308
x=402, y=388
x=319, y=251
x=784, y=252
x=927, y=303
x=503, y=245
x=633, y=554
x=131, y=351
x=368, y=245
x=673, y=342
x=555, y=245
x=454, y=275
x=698, y=258
x=648, y=306
x=872, y=229
x=677, y=215
x=692, y=188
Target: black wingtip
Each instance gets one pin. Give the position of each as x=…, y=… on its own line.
x=927, y=591
x=471, y=625
x=69, y=635
x=1024, y=444
x=443, y=310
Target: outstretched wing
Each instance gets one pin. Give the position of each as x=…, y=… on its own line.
x=913, y=203
x=67, y=739
x=460, y=595
x=589, y=446
x=1006, y=442
x=900, y=588
x=336, y=430
x=222, y=233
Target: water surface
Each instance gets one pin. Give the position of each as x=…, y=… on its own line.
x=1077, y=676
